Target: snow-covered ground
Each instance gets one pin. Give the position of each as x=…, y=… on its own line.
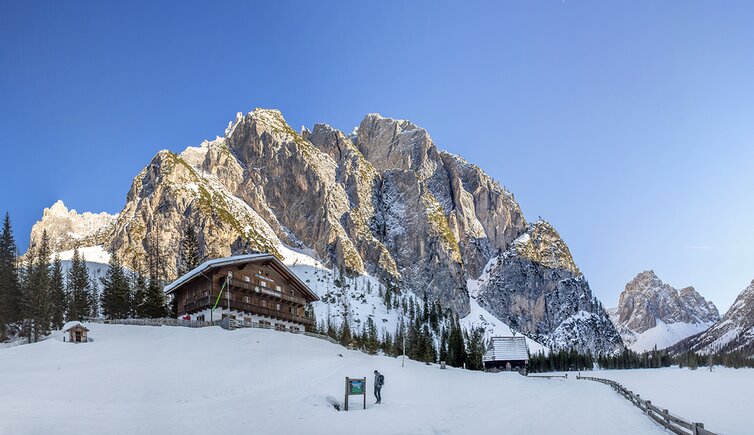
x=158, y=380
x=721, y=399
x=666, y=334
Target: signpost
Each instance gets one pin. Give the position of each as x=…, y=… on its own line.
x=355, y=387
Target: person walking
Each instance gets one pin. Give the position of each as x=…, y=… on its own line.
x=379, y=381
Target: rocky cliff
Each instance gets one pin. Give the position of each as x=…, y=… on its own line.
x=733, y=332
x=652, y=313
x=68, y=228
x=536, y=288
x=382, y=201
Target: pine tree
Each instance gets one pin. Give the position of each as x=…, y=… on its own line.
x=189, y=256
x=370, y=338
x=57, y=294
x=10, y=287
x=37, y=306
x=456, y=347
x=154, y=298
x=79, y=289
x=115, y=298
x=138, y=291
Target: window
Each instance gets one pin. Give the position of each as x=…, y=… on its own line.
x=293, y=310
x=200, y=318
x=277, y=306
x=277, y=287
x=263, y=283
x=264, y=304
x=246, y=300
x=246, y=279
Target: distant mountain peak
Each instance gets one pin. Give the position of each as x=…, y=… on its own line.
x=648, y=308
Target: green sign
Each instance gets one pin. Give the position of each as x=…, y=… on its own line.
x=356, y=387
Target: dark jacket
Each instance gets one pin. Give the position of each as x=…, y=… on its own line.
x=377, y=381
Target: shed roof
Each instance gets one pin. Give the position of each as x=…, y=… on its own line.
x=239, y=259
x=507, y=349
x=75, y=326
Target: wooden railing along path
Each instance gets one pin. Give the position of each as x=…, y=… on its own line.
x=662, y=416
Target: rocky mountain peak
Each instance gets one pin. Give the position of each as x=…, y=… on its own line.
x=68, y=229
x=651, y=312
x=733, y=332
x=543, y=245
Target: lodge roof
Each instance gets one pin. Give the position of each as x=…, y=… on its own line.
x=507, y=349
x=241, y=259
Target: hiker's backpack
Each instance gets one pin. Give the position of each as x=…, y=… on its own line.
x=382, y=379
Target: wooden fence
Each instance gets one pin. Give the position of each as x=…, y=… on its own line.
x=563, y=376
x=662, y=416
x=223, y=323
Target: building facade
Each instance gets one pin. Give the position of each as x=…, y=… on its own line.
x=507, y=354
x=255, y=288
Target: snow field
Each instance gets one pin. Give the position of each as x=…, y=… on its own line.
x=721, y=399
x=164, y=380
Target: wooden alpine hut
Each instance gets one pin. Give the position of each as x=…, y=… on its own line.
x=507, y=354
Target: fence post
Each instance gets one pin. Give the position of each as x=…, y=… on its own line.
x=698, y=426
x=666, y=414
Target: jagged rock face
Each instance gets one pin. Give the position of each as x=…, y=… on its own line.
x=482, y=216
x=170, y=194
x=646, y=299
x=383, y=201
x=537, y=289
x=733, y=332
x=68, y=229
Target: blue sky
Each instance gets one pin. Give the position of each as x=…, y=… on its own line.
x=628, y=125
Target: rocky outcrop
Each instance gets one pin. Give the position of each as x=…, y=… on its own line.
x=536, y=288
x=651, y=313
x=68, y=229
x=734, y=332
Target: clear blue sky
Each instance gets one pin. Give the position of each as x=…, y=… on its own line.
x=628, y=125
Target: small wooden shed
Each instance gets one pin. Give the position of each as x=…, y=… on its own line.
x=507, y=353
x=77, y=333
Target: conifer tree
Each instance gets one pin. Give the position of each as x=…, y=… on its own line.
x=37, y=305
x=154, y=298
x=189, y=256
x=10, y=287
x=57, y=294
x=138, y=291
x=79, y=289
x=370, y=338
x=115, y=298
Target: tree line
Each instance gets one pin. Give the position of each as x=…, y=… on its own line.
x=38, y=296
x=430, y=333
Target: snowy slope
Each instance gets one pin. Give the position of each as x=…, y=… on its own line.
x=160, y=380
x=720, y=399
x=96, y=257
x=663, y=335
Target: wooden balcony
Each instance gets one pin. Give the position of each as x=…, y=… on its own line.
x=268, y=291
x=204, y=302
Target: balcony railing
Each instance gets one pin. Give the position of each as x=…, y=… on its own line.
x=268, y=291
x=205, y=302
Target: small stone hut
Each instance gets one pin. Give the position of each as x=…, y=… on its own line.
x=76, y=333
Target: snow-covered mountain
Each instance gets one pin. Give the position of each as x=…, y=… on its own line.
x=382, y=205
x=653, y=313
x=537, y=289
x=68, y=228
x=733, y=332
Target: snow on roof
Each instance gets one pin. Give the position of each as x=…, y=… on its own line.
x=220, y=262
x=210, y=264
x=507, y=349
x=74, y=324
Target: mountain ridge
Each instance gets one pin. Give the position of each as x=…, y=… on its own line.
x=383, y=201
